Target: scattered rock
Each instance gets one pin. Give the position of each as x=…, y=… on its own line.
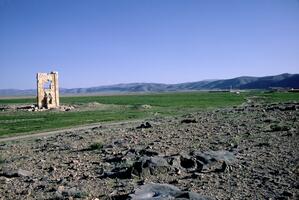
x=187, y=162
x=15, y=173
x=63, y=192
x=277, y=127
x=148, y=152
x=146, y=125
x=146, y=106
x=123, y=173
x=213, y=161
x=188, y=121
x=147, y=166
x=192, y=155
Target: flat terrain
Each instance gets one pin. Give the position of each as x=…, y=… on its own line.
x=15, y=119
x=249, y=151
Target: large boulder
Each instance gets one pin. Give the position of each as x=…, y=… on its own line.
x=213, y=161
x=154, y=191
x=147, y=166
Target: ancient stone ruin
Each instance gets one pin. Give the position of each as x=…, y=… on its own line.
x=47, y=90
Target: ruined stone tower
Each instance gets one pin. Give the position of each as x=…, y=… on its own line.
x=47, y=90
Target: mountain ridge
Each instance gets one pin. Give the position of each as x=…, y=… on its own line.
x=285, y=80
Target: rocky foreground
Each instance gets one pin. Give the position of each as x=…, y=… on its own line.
x=246, y=152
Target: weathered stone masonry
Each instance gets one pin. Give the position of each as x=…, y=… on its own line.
x=47, y=90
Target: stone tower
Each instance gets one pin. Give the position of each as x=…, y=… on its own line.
x=47, y=90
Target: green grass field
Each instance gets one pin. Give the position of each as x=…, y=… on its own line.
x=128, y=108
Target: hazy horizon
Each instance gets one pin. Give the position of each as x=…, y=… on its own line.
x=99, y=43
x=144, y=83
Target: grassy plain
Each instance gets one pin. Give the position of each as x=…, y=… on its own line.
x=128, y=107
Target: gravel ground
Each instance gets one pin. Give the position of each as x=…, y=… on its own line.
x=245, y=152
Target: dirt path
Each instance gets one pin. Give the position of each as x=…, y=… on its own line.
x=42, y=134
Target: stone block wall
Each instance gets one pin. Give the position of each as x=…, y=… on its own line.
x=47, y=90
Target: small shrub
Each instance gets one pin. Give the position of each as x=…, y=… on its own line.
x=80, y=194
x=278, y=127
x=96, y=145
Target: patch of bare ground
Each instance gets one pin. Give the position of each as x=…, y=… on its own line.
x=246, y=152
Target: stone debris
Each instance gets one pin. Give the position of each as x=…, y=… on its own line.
x=146, y=106
x=154, y=165
x=227, y=154
x=146, y=125
x=34, y=108
x=148, y=166
x=15, y=173
x=213, y=161
x=188, y=121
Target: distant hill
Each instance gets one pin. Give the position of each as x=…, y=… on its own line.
x=244, y=82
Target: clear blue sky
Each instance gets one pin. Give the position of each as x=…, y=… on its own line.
x=97, y=42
